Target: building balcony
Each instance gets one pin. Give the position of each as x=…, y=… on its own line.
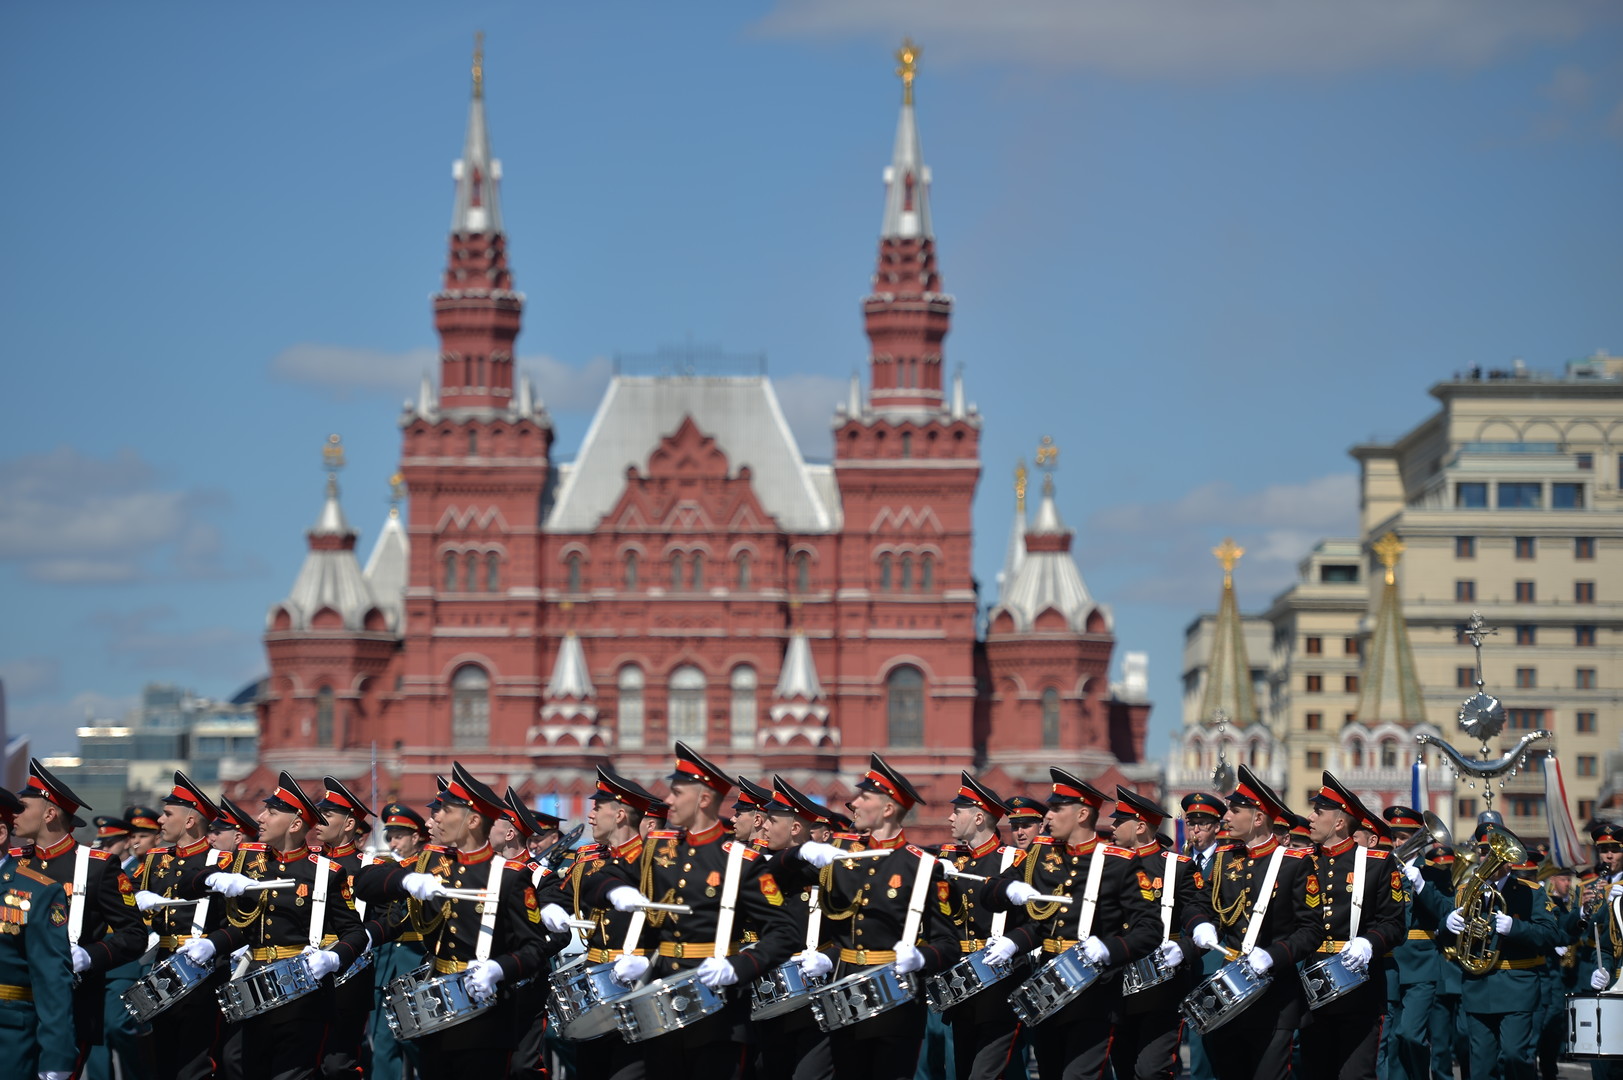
x=1379, y=778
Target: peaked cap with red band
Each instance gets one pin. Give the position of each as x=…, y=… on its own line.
x=464, y=790
x=1070, y=788
x=191, y=796
x=1252, y=794
x=1130, y=803
x=885, y=780
x=971, y=792
x=658, y=810
x=440, y=784
x=235, y=817
x=1201, y=802
x=612, y=787
x=752, y=796
x=522, y=817
x=692, y=768
x=290, y=798
x=1299, y=826
x=107, y=828
x=1403, y=817
x=1335, y=796
x=787, y=798
x=400, y=816
x=1024, y=809
x=338, y=797
x=42, y=785
x=141, y=818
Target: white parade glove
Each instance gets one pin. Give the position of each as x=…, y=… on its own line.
x=1560, y=950
x=1259, y=960
x=483, y=975
x=629, y=968
x=238, y=954
x=554, y=918
x=1601, y=979
x=1205, y=935
x=908, y=959
x=1615, y=891
x=81, y=960
x=1019, y=892
x=814, y=963
x=199, y=951
x=55, y=1076
x=1357, y=953
x=1455, y=921
x=819, y=854
x=715, y=972
x=1417, y=881
x=321, y=962
x=999, y=949
x=1501, y=922
x=423, y=887
x=146, y=901
x=1096, y=951
x=228, y=884
x=1171, y=953
x=625, y=898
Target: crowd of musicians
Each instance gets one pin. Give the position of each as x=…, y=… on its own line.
x=702, y=934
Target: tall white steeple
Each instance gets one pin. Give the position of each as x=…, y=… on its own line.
x=477, y=174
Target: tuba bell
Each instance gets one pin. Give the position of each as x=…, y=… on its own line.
x=1435, y=832
x=1479, y=900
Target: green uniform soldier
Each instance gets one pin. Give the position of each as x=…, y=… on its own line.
x=1418, y=963
x=405, y=832
x=36, y=968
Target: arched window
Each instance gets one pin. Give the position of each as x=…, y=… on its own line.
x=696, y=571
x=802, y=572
x=631, y=570
x=473, y=443
x=573, y=564
x=1389, y=753
x=904, y=706
x=470, y=571
x=907, y=572
x=630, y=707
x=926, y=573
x=687, y=705
x=1050, y=718
x=450, y=571
x=676, y=571
x=470, y=706
x=493, y=572
x=324, y=711
x=743, y=571
x=743, y=715
x=907, y=444
x=884, y=572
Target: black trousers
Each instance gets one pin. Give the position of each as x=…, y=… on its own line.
x=1257, y=1050
x=1074, y=1043
x=1344, y=1043
x=186, y=1036
x=981, y=1051
x=352, y=1011
x=702, y=1051
x=1145, y=1045
x=883, y=1048
x=530, y=1005
x=792, y=1047
x=609, y=1057
x=287, y=1042
x=484, y=1062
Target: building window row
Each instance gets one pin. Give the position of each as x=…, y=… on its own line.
x=1520, y=495
x=1526, y=591
x=904, y=573
x=1526, y=547
x=689, y=571
x=471, y=571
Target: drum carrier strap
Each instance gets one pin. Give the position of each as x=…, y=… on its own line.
x=915, y=902
x=76, y=903
x=1360, y=861
x=1090, y=892
x=1001, y=919
x=729, y=898
x=487, y=925
x=1168, y=879
x=1253, y=929
x=814, y=919
x=200, y=915
x=634, y=931
x=318, y=900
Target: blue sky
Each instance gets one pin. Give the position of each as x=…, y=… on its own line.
x=1207, y=246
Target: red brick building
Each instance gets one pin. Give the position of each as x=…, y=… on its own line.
x=689, y=574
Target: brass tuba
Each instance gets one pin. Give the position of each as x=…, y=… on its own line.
x=1435, y=832
x=1478, y=902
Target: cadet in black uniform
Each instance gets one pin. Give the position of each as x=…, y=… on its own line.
x=1343, y=1037
x=401, y=950
x=112, y=932
x=340, y=833
x=1075, y=1042
x=1257, y=1043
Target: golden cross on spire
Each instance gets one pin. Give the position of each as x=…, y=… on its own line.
x=1389, y=549
x=1228, y=553
x=479, y=64
x=332, y=454
x=1047, y=454
x=397, y=491
x=1020, y=486
x=908, y=57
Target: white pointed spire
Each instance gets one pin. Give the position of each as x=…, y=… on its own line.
x=427, y=405
x=1016, y=552
x=524, y=400
x=907, y=178
x=853, y=397
x=387, y=567
x=569, y=692
x=960, y=407
x=477, y=173
x=330, y=579
x=332, y=521
x=799, y=693
x=1047, y=521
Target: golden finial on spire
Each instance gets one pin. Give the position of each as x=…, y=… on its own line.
x=1047, y=454
x=479, y=64
x=1020, y=485
x=332, y=454
x=1389, y=549
x=397, y=492
x=908, y=57
x=1228, y=553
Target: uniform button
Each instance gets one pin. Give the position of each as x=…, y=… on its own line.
x=687, y=865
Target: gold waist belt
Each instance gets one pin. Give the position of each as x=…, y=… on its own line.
x=1057, y=944
x=276, y=952
x=174, y=941
x=449, y=967
x=1331, y=945
x=410, y=935
x=16, y=993
x=972, y=945
x=682, y=950
x=603, y=956
x=1521, y=965
x=867, y=956
x=1420, y=935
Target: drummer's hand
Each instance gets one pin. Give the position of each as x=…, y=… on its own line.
x=1502, y=922
x=1096, y=951
x=908, y=959
x=1455, y=921
x=715, y=972
x=814, y=963
x=554, y=918
x=1357, y=953
x=625, y=898
x=629, y=968
x=1601, y=979
x=199, y=951
x=1205, y=935
x=818, y=854
x=146, y=901
x=999, y=949
x=1171, y=953
x=81, y=960
x=483, y=975
x=1019, y=892
x=423, y=887
x=321, y=962
x=1417, y=880
x=1260, y=960
x=228, y=884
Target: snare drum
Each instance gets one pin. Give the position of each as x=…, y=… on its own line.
x=582, y=993
x=965, y=979
x=1330, y=978
x=362, y=962
x=421, y=1003
x=860, y=996
x=1060, y=981
x=1229, y=992
x=783, y=991
x=1145, y=973
x=1595, y=1026
x=266, y=988
x=169, y=980
x=675, y=1001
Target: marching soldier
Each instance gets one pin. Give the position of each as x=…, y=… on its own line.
x=341, y=832
x=549, y=830
x=1202, y=820
x=108, y=927
x=1257, y=1042
x=1071, y=860
x=143, y=822
x=405, y=832
x=185, y=1039
x=515, y=949
x=1025, y=820
x=1145, y=1045
x=1559, y=976
x=1418, y=963
x=112, y=836
x=233, y=827
x=687, y=864
x=1357, y=894
x=284, y=1043
x=36, y=968
x=749, y=811
x=530, y=999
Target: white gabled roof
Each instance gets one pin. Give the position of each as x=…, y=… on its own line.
x=799, y=691
x=331, y=576
x=740, y=412
x=569, y=692
x=388, y=566
x=1047, y=578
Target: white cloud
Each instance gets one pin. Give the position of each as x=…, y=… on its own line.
x=51, y=725
x=1201, y=38
x=28, y=676
x=808, y=403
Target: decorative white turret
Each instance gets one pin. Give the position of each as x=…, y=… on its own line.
x=569, y=692
x=330, y=592
x=477, y=209
x=799, y=693
x=1046, y=578
x=388, y=567
x=907, y=177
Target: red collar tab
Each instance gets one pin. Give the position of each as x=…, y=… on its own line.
x=1151, y=848
x=479, y=855
x=61, y=847
x=706, y=836
x=1342, y=848
x=985, y=849
x=340, y=851
x=1081, y=849
x=187, y=850
x=295, y=855
x=899, y=840
x=1264, y=848
x=630, y=850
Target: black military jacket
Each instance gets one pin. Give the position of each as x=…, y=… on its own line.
x=113, y=932
x=162, y=871
x=1384, y=922
x=1191, y=906
x=275, y=923
x=1291, y=929
x=973, y=923
x=680, y=867
x=604, y=941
